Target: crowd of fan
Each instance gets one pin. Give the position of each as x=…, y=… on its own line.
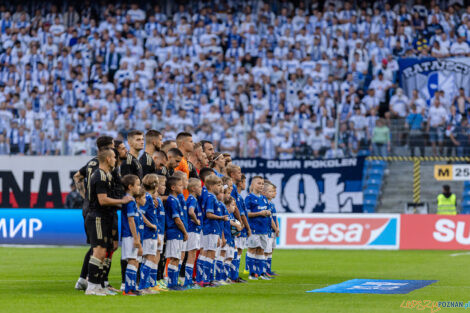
x=257, y=79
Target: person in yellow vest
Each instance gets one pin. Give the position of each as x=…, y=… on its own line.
x=446, y=202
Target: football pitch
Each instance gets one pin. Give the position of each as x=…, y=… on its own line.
x=43, y=279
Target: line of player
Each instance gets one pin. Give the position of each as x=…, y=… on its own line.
x=181, y=214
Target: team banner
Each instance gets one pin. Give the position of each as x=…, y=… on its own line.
x=339, y=231
x=429, y=75
x=435, y=232
x=297, y=231
x=37, y=182
x=308, y=186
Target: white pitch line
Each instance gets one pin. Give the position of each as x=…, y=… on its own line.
x=462, y=253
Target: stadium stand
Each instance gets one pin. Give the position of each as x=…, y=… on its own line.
x=260, y=79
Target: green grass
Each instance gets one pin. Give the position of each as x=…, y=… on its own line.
x=42, y=280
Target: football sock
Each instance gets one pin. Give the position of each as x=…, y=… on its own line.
x=144, y=274
x=131, y=278
x=268, y=264
x=94, y=271
x=250, y=263
x=189, y=274
x=152, y=281
x=86, y=260
x=123, y=270
x=172, y=275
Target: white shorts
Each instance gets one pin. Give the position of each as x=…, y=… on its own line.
x=240, y=242
x=184, y=246
x=150, y=246
x=230, y=252
x=209, y=242
x=127, y=249
x=173, y=248
x=269, y=246
x=194, y=241
x=257, y=241
x=162, y=241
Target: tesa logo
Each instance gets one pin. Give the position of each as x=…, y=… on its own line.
x=447, y=230
x=333, y=231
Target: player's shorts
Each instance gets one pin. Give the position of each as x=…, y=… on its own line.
x=149, y=246
x=99, y=230
x=209, y=242
x=257, y=241
x=162, y=242
x=128, y=251
x=173, y=248
x=194, y=241
x=269, y=245
x=240, y=242
x=184, y=246
x=230, y=252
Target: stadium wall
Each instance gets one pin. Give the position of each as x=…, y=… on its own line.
x=304, y=186
x=298, y=231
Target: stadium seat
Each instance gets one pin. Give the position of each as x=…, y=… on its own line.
x=466, y=184
x=373, y=182
x=372, y=190
x=370, y=198
x=368, y=208
x=466, y=192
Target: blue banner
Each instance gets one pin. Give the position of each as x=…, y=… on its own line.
x=42, y=227
x=306, y=186
x=377, y=286
x=429, y=75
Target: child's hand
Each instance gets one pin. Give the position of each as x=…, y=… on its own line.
x=127, y=199
x=198, y=222
x=225, y=218
x=185, y=237
x=267, y=213
x=277, y=232
x=154, y=227
x=224, y=242
x=140, y=251
x=239, y=227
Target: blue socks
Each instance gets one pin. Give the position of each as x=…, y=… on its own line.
x=219, y=269
x=268, y=265
x=144, y=274
x=189, y=274
x=250, y=263
x=227, y=271
x=172, y=276
x=200, y=268
x=152, y=281
x=131, y=277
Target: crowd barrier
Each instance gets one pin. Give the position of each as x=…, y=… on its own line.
x=297, y=231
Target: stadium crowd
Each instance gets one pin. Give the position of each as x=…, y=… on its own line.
x=269, y=79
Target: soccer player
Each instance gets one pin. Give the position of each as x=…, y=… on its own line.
x=218, y=164
x=160, y=159
x=239, y=183
x=131, y=165
x=194, y=228
x=161, y=284
x=182, y=200
x=185, y=144
x=259, y=220
x=99, y=219
x=82, y=178
x=208, y=149
x=212, y=233
x=153, y=143
x=175, y=231
x=270, y=194
x=231, y=266
x=131, y=223
x=149, y=268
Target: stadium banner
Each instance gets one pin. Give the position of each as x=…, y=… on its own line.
x=42, y=227
x=339, y=231
x=435, y=232
x=429, y=75
x=311, y=186
x=37, y=182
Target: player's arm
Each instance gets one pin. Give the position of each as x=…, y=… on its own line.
x=133, y=230
x=237, y=215
x=149, y=225
x=193, y=216
x=180, y=225
x=258, y=214
x=104, y=200
x=78, y=178
x=210, y=211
